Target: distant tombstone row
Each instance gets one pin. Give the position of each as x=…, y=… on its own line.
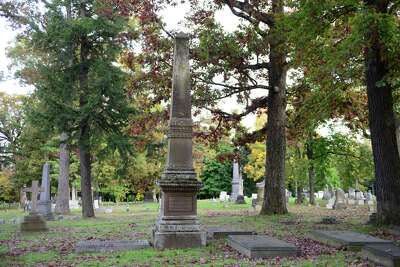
x=341, y=200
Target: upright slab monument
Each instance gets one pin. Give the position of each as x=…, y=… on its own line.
x=34, y=221
x=177, y=225
x=237, y=184
x=44, y=204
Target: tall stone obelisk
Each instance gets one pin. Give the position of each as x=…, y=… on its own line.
x=177, y=225
x=44, y=204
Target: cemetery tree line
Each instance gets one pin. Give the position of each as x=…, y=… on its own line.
x=343, y=54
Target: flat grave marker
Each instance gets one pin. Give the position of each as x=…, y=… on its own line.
x=351, y=240
x=387, y=255
x=261, y=246
x=110, y=245
x=223, y=232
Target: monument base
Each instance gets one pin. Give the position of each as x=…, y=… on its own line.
x=33, y=223
x=165, y=240
x=44, y=208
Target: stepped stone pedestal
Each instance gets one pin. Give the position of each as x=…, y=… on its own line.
x=33, y=222
x=177, y=225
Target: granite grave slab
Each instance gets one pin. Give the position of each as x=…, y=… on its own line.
x=106, y=246
x=261, y=246
x=351, y=240
x=387, y=255
x=222, y=232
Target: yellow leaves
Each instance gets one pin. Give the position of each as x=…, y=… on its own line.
x=255, y=168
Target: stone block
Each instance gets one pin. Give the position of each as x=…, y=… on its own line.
x=166, y=240
x=221, y=232
x=351, y=240
x=110, y=245
x=387, y=255
x=262, y=246
x=33, y=223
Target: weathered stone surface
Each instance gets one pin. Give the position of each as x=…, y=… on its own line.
x=339, y=200
x=177, y=225
x=260, y=191
x=350, y=240
x=261, y=246
x=114, y=245
x=33, y=222
x=44, y=204
x=387, y=255
x=222, y=232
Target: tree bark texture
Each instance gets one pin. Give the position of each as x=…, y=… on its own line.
x=62, y=203
x=299, y=195
x=382, y=125
x=84, y=127
x=274, y=196
x=311, y=173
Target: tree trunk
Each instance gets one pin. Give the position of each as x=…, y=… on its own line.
x=382, y=125
x=62, y=203
x=274, y=196
x=311, y=171
x=84, y=126
x=299, y=195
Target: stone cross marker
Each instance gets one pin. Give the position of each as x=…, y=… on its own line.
x=177, y=225
x=35, y=190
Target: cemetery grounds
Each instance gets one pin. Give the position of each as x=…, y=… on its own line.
x=56, y=247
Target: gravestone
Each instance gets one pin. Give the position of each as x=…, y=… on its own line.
x=331, y=203
x=288, y=194
x=177, y=225
x=44, y=204
x=34, y=221
x=387, y=255
x=155, y=200
x=351, y=240
x=320, y=194
x=223, y=232
x=223, y=196
x=352, y=193
x=73, y=203
x=148, y=197
x=260, y=191
x=110, y=245
x=96, y=204
x=327, y=194
x=339, y=200
x=261, y=246
x=235, y=181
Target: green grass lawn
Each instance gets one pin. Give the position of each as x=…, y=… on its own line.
x=55, y=247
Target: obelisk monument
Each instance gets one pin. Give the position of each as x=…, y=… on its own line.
x=44, y=204
x=177, y=225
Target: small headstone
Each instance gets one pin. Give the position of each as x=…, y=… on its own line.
x=222, y=232
x=330, y=203
x=2, y=221
x=359, y=195
x=352, y=193
x=327, y=195
x=387, y=255
x=261, y=246
x=96, y=204
x=148, y=196
x=320, y=194
x=223, y=196
x=260, y=191
x=350, y=240
x=339, y=200
x=107, y=246
x=240, y=200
